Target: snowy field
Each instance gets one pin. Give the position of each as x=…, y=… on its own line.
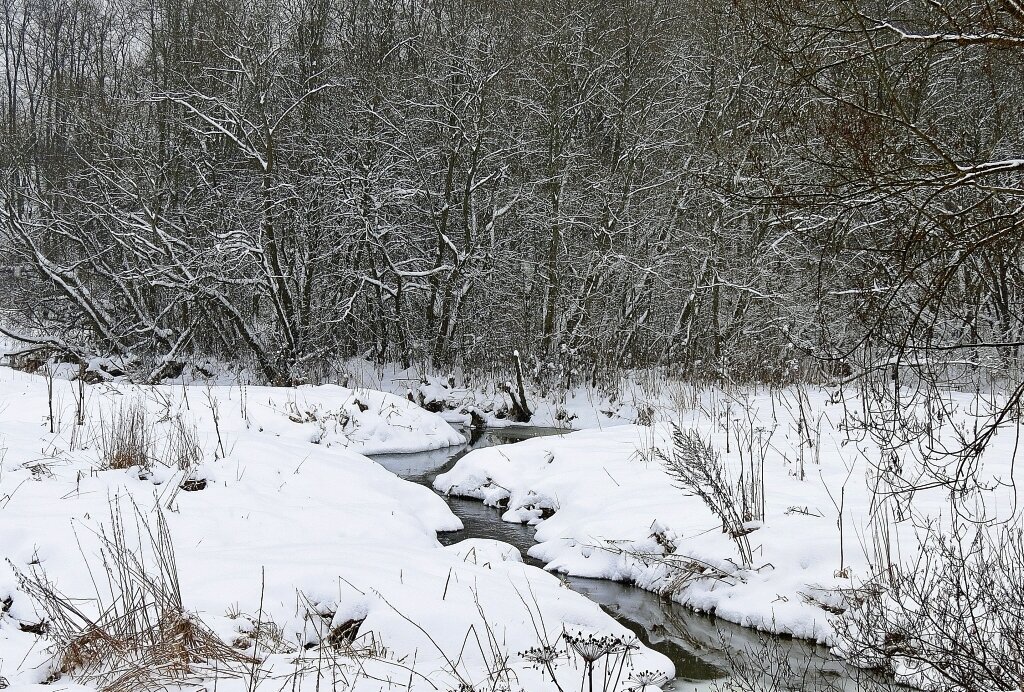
x=297, y=562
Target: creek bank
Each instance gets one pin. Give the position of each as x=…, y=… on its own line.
x=703, y=648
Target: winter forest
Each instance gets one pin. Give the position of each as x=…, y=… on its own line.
x=300, y=301
x=752, y=191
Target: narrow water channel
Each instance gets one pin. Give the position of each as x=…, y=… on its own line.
x=704, y=649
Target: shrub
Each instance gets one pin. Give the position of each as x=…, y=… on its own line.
x=953, y=620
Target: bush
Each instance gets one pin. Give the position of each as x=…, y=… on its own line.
x=954, y=620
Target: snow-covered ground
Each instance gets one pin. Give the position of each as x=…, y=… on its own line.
x=606, y=506
x=277, y=517
x=283, y=532
x=568, y=404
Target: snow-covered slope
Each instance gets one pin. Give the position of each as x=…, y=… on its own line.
x=282, y=521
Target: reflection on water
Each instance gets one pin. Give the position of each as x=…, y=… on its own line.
x=703, y=648
x=420, y=467
x=423, y=467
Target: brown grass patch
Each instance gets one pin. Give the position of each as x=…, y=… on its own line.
x=142, y=639
x=124, y=439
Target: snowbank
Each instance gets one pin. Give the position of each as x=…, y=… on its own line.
x=458, y=396
x=606, y=507
x=283, y=521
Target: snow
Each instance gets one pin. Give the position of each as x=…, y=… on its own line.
x=457, y=395
x=605, y=507
x=294, y=526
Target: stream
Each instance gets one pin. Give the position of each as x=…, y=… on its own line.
x=703, y=648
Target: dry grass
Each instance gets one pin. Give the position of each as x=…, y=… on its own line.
x=129, y=439
x=142, y=639
x=124, y=439
x=698, y=469
x=181, y=448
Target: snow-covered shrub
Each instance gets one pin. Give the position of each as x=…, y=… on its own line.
x=952, y=620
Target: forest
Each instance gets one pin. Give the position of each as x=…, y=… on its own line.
x=767, y=191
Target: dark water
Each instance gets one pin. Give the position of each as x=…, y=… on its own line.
x=704, y=649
